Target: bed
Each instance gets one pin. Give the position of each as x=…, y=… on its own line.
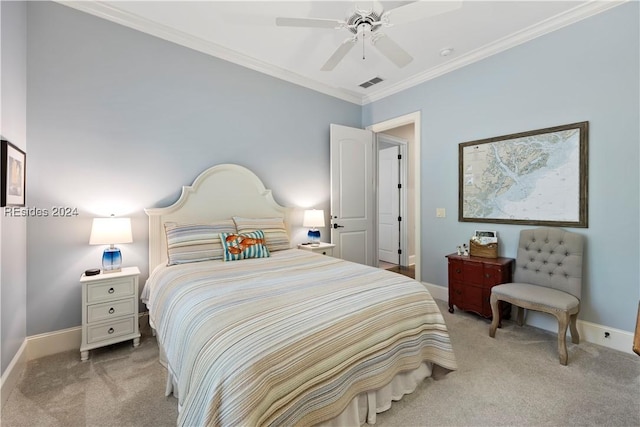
x=255, y=332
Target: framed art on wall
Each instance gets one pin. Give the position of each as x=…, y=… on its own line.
x=537, y=177
x=13, y=175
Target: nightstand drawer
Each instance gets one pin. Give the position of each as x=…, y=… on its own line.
x=110, y=310
x=107, y=331
x=110, y=289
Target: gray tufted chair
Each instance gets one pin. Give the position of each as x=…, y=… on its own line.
x=547, y=278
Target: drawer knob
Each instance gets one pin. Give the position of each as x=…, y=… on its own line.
x=458, y=271
x=111, y=330
x=111, y=310
x=111, y=290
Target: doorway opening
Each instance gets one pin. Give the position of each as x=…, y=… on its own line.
x=405, y=128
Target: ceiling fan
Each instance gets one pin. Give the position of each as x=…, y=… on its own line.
x=366, y=23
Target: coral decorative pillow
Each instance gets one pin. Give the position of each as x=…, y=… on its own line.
x=244, y=245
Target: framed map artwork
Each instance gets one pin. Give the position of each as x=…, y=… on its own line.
x=537, y=178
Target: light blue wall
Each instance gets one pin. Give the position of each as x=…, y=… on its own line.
x=13, y=231
x=587, y=71
x=119, y=121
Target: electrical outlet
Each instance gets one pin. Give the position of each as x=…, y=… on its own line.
x=440, y=213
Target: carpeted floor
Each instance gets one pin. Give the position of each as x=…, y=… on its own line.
x=514, y=379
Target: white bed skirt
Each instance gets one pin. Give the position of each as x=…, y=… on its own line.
x=364, y=407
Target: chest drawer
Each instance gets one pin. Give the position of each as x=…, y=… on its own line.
x=473, y=273
x=471, y=279
x=109, y=330
x=110, y=289
x=110, y=310
x=492, y=276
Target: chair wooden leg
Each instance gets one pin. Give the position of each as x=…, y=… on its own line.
x=563, y=323
x=520, y=316
x=575, y=336
x=495, y=313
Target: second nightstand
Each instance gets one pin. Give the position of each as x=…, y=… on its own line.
x=323, y=248
x=109, y=309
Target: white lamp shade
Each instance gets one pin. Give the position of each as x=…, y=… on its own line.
x=108, y=231
x=313, y=218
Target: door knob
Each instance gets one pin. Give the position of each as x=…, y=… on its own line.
x=337, y=226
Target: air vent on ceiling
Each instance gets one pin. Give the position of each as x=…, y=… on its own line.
x=371, y=82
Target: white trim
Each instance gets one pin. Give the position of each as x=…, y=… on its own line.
x=128, y=19
x=590, y=332
x=407, y=119
x=54, y=342
x=13, y=373
x=111, y=13
x=564, y=19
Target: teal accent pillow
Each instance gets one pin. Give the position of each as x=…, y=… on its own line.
x=239, y=246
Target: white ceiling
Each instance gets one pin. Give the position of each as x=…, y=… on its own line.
x=244, y=32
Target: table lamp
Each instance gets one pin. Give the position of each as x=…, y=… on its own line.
x=313, y=218
x=109, y=231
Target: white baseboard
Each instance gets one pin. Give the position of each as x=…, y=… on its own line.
x=12, y=373
x=590, y=332
x=412, y=260
x=54, y=342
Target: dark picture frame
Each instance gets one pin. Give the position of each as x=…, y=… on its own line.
x=14, y=175
x=538, y=177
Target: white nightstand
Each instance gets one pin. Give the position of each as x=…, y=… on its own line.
x=109, y=309
x=323, y=248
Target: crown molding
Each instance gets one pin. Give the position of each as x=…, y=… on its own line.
x=564, y=19
x=164, y=32
x=108, y=12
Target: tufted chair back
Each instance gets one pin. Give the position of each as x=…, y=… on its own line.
x=550, y=257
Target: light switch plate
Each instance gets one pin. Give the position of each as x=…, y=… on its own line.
x=440, y=213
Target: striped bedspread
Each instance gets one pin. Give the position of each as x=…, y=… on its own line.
x=290, y=339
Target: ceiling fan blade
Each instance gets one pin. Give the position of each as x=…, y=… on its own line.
x=308, y=22
x=392, y=50
x=420, y=10
x=340, y=53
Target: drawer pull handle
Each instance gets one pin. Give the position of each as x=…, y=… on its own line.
x=111, y=310
x=111, y=290
x=111, y=330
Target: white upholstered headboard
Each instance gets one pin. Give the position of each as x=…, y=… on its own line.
x=220, y=192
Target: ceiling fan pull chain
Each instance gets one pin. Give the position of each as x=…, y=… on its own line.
x=363, y=46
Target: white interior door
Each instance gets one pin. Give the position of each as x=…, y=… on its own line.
x=352, y=194
x=388, y=204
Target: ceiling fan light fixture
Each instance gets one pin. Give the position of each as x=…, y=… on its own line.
x=366, y=23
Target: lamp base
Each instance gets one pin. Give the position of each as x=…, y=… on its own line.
x=111, y=260
x=314, y=237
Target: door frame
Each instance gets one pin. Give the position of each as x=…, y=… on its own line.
x=407, y=119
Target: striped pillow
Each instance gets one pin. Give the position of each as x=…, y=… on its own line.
x=196, y=242
x=244, y=245
x=274, y=230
